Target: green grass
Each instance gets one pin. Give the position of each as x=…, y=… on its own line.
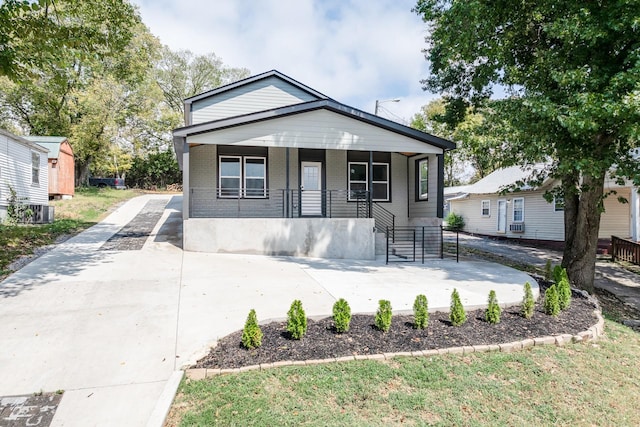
x=579, y=384
x=87, y=207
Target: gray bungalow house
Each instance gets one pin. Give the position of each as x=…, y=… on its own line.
x=271, y=166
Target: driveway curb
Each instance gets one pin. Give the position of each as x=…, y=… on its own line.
x=161, y=410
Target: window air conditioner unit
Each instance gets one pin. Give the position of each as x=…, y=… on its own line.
x=517, y=227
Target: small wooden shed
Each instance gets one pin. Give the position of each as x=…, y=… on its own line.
x=61, y=165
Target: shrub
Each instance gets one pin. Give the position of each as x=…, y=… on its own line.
x=564, y=293
x=547, y=270
x=341, y=315
x=492, y=315
x=251, y=334
x=559, y=273
x=420, y=312
x=528, y=303
x=296, y=320
x=457, y=314
x=551, y=303
x=454, y=222
x=383, y=315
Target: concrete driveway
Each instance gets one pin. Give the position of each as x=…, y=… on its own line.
x=111, y=315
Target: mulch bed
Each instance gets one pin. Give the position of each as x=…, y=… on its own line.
x=321, y=340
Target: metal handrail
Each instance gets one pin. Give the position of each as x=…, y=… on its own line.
x=385, y=220
x=408, y=244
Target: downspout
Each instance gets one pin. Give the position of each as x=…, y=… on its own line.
x=440, y=196
x=286, y=197
x=635, y=214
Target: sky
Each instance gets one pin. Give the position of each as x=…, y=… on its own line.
x=354, y=51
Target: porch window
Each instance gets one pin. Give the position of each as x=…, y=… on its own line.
x=359, y=181
x=518, y=210
x=35, y=168
x=558, y=204
x=242, y=176
x=422, y=178
x=486, y=208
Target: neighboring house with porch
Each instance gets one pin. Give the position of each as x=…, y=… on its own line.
x=525, y=214
x=272, y=166
x=61, y=166
x=23, y=169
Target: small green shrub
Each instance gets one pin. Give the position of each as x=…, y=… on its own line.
x=383, y=315
x=420, y=312
x=492, y=315
x=296, y=320
x=564, y=293
x=547, y=270
x=457, y=315
x=528, y=303
x=551, y=302
x=559, y=273
x=251, y=334
x=341, y=315
x=454, y=222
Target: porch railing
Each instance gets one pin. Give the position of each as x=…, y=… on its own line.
x=625, y=250
x=413, y=244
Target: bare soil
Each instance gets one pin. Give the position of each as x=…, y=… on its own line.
x=322, y=341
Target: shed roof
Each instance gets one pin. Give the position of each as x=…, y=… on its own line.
x=52, y=143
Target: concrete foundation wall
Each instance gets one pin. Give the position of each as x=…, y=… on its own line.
x=313, y=237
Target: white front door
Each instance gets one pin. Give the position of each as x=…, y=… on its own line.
x=502, y=216
x=311, y=186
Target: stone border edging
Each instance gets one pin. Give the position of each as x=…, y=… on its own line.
x=593, y=333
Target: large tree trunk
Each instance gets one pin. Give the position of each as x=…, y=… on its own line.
x=82, y=172
x=582, y=224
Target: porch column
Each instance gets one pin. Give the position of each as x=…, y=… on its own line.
x=370, y=184
x=185, y=181
x=635, y=214
x=286, y=194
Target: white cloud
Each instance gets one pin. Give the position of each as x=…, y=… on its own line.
x=355, y=51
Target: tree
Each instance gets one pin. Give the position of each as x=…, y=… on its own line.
x=572, y=72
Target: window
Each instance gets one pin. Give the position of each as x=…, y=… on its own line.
x=558, y=203
x=35, y=168
x=422, y=179
x=359, y=181
x=518, y=210
x=486, y=208
x=242, y=177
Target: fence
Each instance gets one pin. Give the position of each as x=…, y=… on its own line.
x=625, y=250
x=413, y=244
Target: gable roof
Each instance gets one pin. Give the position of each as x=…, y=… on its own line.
x=23, y=140
x=272, y=73
x=324, y=104
x=52, y=143
x=496, y=181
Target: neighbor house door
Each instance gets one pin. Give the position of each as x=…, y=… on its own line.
x=502, y=216
x=311, y=186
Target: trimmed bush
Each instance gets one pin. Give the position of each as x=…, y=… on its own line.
x=492, y=315
x=547, y=270
x=296, y=320
x=454, y=222
x=383, y=315
x=341, y=315
x=551, y=302
x=420, y=312
x=564, y=293
x=457, y=315
x=528, y=303
x=251, y=333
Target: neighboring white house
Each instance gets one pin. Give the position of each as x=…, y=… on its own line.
x=23, y=167
x=271, y=166
x=526, y=214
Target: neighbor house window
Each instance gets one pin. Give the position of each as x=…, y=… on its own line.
x=35, y=168
x=242, y=176
x=518, y=210
x=422, y=175
x=486, y=208
x=359, y=181
x=558, y=203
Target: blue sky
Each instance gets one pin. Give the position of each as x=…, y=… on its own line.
x=355, y=51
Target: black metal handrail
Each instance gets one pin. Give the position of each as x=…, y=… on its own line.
x=625, y=250
x=385, y=220
x=410, y=244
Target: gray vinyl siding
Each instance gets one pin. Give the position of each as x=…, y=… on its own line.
x=15, y=171
x=261, y=95
x=319, y=129
x=337, y=170
x=429, y=208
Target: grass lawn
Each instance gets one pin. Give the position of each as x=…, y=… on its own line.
x=87, y=207
x=579, y=384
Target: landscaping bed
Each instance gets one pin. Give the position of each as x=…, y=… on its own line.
x=322, y=341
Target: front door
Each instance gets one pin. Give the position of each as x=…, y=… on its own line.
x=502, y=216
x=311, y=186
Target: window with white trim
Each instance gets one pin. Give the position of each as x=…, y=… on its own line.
x=422, y=184
x=518, y=210
x=242, y=177
x=359, y=181
x=35, y=168
x=485, y=208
